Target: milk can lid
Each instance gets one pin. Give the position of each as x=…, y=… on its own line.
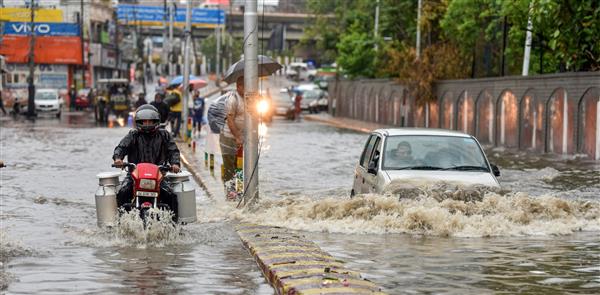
x=111, y=174
x=180, y=175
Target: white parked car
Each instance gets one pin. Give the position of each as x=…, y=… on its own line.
x=48, y=101
x=301, y=71
x=422, y=155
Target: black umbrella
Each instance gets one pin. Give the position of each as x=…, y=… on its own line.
x=266, y=67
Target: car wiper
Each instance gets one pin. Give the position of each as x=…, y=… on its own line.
x=420, y=168
x=468, y=168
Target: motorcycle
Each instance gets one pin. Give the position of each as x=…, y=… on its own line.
x=146, y=187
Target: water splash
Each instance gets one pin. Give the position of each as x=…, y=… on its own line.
x=9, y=249
x=436, y=210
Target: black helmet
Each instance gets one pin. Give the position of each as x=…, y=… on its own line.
x=147, y=112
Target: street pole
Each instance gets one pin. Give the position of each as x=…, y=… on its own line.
x=82, y=45
x=250, y=94
x=419, y=30
x=527, y=52
x=218, y=58
x=376, y=25
x=171, y=15
x=31, y=87
x=165, y=54
x=186, y=68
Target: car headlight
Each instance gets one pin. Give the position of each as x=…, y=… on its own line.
x=262, y=107
x=147, y=183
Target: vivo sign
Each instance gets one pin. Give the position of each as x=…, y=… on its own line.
x=41, y=29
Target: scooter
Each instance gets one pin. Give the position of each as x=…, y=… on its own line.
x=146, y=187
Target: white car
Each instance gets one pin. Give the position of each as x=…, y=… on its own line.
x=422, y=156
x=301, y=71
x=48, y=101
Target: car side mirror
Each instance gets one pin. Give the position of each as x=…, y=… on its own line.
x=373, y=164
x=495, y=170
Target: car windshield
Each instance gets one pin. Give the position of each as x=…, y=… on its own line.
x=311, y=94
x=427, y=152
x=45, y=96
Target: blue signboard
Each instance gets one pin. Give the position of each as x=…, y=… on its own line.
x=154, y=15
x=41, y=29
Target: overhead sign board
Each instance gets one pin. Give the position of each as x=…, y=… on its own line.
x=48, y=49
x=154, y=15
x=41, y=29
x=20, y=14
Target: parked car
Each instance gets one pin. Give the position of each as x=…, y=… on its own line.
x=422, y=155
x=282, y=104
x=301, y=71
x=48, y=101
x=311, y=97
x=321, y=104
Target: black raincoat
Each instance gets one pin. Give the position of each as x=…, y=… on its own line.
x=157, y=148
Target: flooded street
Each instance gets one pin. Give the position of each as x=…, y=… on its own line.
x=539, y=235
x=50, y=243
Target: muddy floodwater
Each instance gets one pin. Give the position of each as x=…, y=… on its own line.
x=539, y=235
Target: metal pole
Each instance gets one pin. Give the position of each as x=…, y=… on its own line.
x=504, y=29
x=171, y=66
x=218, y=35
x=186, y=68
x=527, y=53
x=31, y=87
x=376, y=25
x=251, y=92
x=165, y=54
x=82, y=46
x=419, y=30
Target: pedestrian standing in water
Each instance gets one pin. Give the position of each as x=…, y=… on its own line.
x=141, y=100
x=231, y=138
x=161, y=106
x=297, y=106
x=198, y=113
x=72, y=97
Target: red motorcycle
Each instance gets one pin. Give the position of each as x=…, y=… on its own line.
x=146, y=187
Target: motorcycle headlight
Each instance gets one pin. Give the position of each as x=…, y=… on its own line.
x=147, y=183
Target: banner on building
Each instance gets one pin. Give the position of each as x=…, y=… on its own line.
x=42, y=15
x=47, y=50
x=154, y=15
x=41, y=29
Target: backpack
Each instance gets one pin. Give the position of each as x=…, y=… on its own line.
x=216, y=114
x=172, y=99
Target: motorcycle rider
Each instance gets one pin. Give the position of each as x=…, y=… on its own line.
x=147, y=143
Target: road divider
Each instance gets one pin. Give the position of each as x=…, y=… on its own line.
x=294, y=265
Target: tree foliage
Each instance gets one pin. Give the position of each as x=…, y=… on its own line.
x=460, y=38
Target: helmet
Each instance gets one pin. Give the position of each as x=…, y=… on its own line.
x=147, y=112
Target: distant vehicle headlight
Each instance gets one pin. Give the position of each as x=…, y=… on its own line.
x=147, y=183
x=262, y=106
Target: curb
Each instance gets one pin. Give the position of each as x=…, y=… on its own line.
x=293, y=265
x=212, y=187
x=351, y=125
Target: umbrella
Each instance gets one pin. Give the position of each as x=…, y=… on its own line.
x=266, y=67
x=196, y=83
x=162, y=81
x=179, y=79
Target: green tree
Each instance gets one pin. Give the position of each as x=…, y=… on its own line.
x=356, y=53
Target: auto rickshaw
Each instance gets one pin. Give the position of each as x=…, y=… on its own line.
x=113, y=98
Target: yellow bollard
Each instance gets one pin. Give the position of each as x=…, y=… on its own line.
x=212, y=161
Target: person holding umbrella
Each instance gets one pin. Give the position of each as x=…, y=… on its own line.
x=231, y=138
